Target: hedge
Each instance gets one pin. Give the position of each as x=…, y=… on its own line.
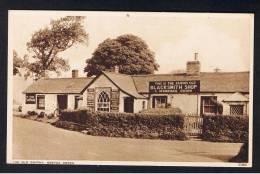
x=225, y=128
x=161, y=111
x=132, y=125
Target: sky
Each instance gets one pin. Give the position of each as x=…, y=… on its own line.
x=223, y=41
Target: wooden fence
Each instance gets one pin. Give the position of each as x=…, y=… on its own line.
x=193, y=125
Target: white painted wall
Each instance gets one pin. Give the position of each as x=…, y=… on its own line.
x=27, y=107
x=220, y=98
x=50, y=104
x=102, y=81
x=84, y=101
x=191, y=104
x=71, y=101
x=138, y=105
x=187, y=103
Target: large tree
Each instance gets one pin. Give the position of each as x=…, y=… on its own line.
x=47, y=43
x=19, y=63
x=129, y=52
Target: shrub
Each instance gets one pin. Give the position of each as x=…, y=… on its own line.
x=41, y=115
x=49, y=116
x=162, y=111
x=225, y=128
x=77, y=116
x=20, y=108
x=130, y=125
x=32, y=113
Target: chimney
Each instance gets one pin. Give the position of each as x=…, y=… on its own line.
x=196, y=56
x=75, y=73
x=193, y=67
x=116, y=69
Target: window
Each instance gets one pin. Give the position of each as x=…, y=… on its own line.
x=159, y=101
x=143, y=104
x=209, y=104
x=103, y=102
x=40, y=102
x=236, y=109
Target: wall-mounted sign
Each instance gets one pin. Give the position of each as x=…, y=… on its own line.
x=91, y=99
x=174, y=87
x=114, y=103
x=30, y=99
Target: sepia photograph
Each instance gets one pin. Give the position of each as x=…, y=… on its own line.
x=130, y=88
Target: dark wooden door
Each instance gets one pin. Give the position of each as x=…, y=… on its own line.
x=62, y=101
x=128, y=104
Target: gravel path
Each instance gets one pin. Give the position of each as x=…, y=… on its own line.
x=33, y=140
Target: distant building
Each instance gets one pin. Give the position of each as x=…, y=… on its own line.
x=194, y=92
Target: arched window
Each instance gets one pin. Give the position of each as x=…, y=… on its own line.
x=103, y=102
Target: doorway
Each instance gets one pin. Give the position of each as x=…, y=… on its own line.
x=62, y=101
x=129, y=104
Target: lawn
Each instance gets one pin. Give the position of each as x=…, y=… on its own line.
x=34, y=140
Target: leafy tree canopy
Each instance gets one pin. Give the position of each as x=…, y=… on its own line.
x=47, y=43
x=129, y=52
x=19, y=63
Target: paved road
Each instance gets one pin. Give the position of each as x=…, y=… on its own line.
x=40, y=141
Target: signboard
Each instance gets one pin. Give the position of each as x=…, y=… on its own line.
x=30, y=99
x=174, y=87
x=114, y=104
x=91, y=99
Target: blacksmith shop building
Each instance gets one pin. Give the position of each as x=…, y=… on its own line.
x=193, y=92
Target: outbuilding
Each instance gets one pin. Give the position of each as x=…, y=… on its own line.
x=193, y=92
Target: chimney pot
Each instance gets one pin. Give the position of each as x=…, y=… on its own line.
x=75, y=73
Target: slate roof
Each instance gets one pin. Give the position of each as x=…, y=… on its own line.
x=236, y=97
x=59, y=85
x=209, y=81
x=124, y=82
x=136, y=85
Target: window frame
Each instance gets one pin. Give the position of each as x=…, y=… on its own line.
x=103, y=108
x=155, y=98
x=77, y=99
x=211, y=106
x=37, y=99
x=238, y=105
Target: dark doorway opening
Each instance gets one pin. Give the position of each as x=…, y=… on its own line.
x=129, y=104
x=62, y=101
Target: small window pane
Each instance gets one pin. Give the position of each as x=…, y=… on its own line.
x=40, y=102
x=236, y=109
x=103, y=103
x=160, y=101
